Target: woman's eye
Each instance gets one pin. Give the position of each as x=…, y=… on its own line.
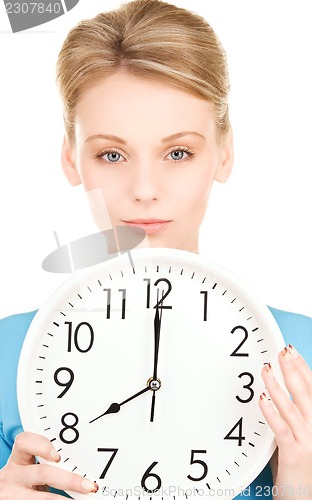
x=112, y=156
x=180, y=154
x=177, y=155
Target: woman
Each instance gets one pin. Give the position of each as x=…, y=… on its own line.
x=145, y=94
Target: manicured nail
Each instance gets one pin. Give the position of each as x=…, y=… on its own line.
x=269, y=370
x=89, y=486
x=55, y=456
x=286, y=354
x=293, y=351
x=264, y=399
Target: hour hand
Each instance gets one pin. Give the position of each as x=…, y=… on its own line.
x=115, y=407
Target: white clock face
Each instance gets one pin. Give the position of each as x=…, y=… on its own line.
x=196, y=424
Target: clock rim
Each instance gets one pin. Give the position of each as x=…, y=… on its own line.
x=254, y=302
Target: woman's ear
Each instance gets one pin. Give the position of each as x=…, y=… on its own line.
x=69, y=163
x=226, y=158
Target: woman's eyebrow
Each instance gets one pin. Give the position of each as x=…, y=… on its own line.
x=107, y=137
x=115, y=138
x=173, y=137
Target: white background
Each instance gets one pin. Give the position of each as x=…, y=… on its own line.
x=258, y=224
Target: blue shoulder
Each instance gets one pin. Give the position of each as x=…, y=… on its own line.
x=13, y=330
x=12, y=333
x=296, y=330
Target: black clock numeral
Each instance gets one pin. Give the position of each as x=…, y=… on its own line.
x=71, y=427
x=107, y=466
x=239, y=437
x=247, y=386
x=235, y=352
x=76, y=336
x=148, y=292
x=148, y=474
x=200, y=462
x=108, y=302
x=205, y=293
x=123, y=302
x=67, y=384
x=159, y=303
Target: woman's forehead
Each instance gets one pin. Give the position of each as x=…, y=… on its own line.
x=123, y=101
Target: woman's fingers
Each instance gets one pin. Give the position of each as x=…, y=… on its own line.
x=298, y=378
x=41, y=474
x=27, y=445
x=22, y=471
x=283, y=434
x=291, y=419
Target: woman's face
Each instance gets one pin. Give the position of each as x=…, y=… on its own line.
x=147, y=154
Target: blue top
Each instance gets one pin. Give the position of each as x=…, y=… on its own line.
x=296, y=330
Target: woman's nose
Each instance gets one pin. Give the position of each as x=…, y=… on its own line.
x=146, y=183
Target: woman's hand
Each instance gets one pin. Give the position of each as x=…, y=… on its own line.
x=292, y=425
x=22, y=477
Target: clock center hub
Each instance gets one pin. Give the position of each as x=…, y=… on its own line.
x=154, y=384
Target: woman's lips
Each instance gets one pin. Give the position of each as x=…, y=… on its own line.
x=150, y=226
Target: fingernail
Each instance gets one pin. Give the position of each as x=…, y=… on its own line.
x=89, y=486
x=55, y=456
x=269, y=370
x=264, y=399
x=293, y=351
x=286, y=354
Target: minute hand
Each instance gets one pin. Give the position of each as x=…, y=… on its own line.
x=157, y=326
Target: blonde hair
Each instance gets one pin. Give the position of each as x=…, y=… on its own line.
x=149, y=39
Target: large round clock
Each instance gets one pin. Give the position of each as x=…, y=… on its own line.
x=145, y=375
